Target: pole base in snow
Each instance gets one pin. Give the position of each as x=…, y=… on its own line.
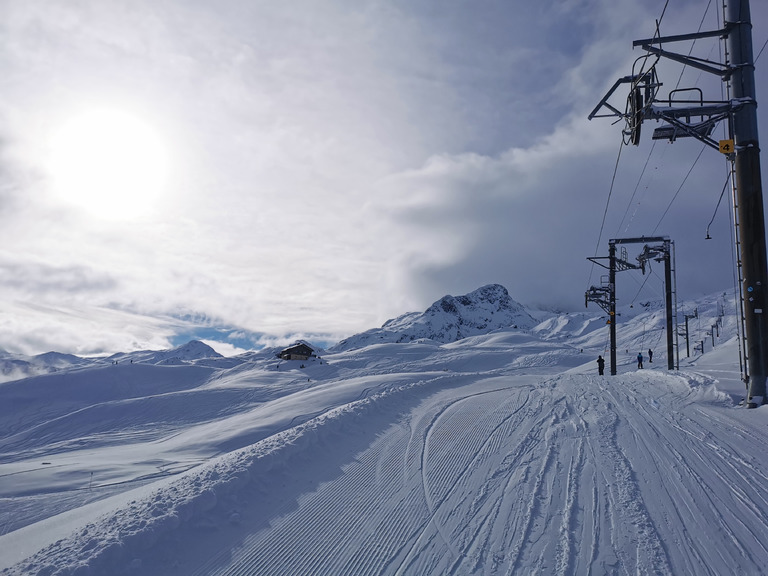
x=755, y=401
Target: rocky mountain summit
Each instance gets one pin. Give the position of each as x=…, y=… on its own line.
x=449, y=319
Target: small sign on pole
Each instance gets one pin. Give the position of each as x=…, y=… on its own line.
x=726, y=146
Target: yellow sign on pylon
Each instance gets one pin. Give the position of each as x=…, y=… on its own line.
x=726, y=146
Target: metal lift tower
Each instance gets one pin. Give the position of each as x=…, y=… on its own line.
x=742, y=147
x=605, y=296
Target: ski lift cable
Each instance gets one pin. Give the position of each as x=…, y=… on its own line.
x=660, y=332
x=680, y=188
x=761, y=51
x=701, y=72
x=634, y=192
x=660, y=294
x=725, y=187
x=648, y=186
x=663, y=11
x=724, y=86
x=605, y=212
x=701, y=25
x=656, y=293
x=640, y=289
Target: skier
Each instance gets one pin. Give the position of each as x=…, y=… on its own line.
x=650, y=356
x=600, y=365
x=639, y=359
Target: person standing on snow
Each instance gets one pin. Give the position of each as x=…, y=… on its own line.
x=600, y=365
x=650, y=356
x=639, y=359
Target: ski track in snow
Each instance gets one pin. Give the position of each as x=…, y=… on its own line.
x=489, y=473
x=527, y=476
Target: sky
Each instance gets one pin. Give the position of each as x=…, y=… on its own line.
x=250, y=173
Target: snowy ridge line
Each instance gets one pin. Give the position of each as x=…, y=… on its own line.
x=208, y=493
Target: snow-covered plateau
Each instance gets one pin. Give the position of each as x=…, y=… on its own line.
x=474, y=438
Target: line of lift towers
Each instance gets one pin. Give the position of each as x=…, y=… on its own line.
x=686, y=113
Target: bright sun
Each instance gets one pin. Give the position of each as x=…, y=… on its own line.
x=108, y=163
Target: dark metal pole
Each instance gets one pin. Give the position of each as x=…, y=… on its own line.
x=668, y=291
x=750, y=196
x=612, y=301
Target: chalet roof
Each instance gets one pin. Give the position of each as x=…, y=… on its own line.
x=298, y=346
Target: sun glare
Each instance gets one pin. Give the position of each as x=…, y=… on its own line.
x=108, y=163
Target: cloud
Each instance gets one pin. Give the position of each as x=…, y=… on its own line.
x=224, y=348
x=510, y=218
x=41, y=279
x=82, y=329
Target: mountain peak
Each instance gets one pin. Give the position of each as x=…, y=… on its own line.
x=196, y=348
x=188, y=352
x=449, y=319
x=493, y=295
x=192, y=350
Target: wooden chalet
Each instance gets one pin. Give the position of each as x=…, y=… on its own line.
x=298, y=351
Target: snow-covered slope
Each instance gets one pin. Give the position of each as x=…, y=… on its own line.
x=568, y=325
x=500, y=453
x=449, y=319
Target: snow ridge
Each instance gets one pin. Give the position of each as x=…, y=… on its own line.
x=193, y=350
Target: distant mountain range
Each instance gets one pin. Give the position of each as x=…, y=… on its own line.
x=450, y=319
x=16, y=366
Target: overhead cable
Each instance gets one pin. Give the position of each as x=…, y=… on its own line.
x=680, y=188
